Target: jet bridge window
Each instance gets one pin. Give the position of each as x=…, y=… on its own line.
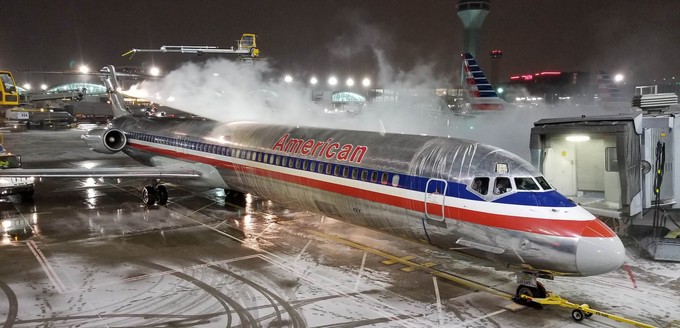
x=611, y=161
x=502, y=186
x=480, y=185
x=526, y=184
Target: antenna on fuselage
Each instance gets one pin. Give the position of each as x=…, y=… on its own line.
x=113, y=89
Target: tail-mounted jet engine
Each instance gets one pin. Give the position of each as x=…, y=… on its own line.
x=105, y=141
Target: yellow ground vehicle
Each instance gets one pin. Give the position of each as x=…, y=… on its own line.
x=246, y=49
x=9, y=96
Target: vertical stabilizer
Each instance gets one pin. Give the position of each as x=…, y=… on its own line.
x=113, y=89
x=481, y=92
x=607, y=91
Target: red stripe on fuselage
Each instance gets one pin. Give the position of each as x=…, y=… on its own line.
x=552, y=227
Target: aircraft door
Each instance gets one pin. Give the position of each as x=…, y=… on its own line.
x=435, y=190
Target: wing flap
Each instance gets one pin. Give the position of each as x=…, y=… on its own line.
x=122, y=172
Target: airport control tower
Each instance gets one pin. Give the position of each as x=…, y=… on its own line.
x=472, y=13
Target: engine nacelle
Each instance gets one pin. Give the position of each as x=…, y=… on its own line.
x=105, y=141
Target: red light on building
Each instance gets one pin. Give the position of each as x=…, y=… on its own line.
x=496, y=53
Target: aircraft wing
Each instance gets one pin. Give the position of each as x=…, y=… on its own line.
x=121, y=172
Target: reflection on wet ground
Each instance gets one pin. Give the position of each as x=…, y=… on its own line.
x=88, y=253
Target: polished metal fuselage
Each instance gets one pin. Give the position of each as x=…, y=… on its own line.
x=411, y=211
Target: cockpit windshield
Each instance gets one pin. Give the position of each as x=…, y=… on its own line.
x=526, y=184
x=544, y=184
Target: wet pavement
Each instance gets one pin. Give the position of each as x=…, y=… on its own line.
x=87, y=253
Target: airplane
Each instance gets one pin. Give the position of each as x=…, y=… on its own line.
x=481, y=93
x=456, y=194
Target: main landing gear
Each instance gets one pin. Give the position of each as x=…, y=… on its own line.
x=155, y=194
x=235, y=197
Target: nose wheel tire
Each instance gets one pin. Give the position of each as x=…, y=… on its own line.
x=149, y=195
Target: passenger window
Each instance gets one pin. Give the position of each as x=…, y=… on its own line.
x=395, y=180
x=278, y=160
x=374, y=176
x=345, y=171
x=266, y=158
x=526, y=184
x=480, y=185
x=364, y=175
x=298, y=163
x=304, y=164
x=312, y=166
x=259, y=157
x=502, y=186
x=355, y=173
x=328, y=169
x=336, y=170
x=320, y=170
x=291, y=162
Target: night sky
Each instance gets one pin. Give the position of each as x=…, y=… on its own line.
x=638, y=38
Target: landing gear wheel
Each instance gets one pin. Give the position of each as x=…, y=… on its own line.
x=161, y=194
x=578, y=315
x=149, y=195
x=534, y=292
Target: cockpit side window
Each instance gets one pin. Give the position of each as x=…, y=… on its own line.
x=526, y=184
x=502, y=186
x=544, y=184
x=480, y=185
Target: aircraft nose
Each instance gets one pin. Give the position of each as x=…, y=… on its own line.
x=598, y=255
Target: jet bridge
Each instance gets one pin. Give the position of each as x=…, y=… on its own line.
x=620, y=168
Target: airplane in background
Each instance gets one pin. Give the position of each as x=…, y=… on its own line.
x=482, y=95
x=456, y=194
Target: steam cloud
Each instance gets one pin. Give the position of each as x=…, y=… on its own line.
x=226, y=91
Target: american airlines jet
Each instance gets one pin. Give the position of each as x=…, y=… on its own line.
x=453, y=193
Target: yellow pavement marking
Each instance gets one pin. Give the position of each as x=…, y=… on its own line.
x=423, y=267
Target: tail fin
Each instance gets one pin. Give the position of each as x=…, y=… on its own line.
x=112, y=88
x=481, y=92
x=608, y=91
